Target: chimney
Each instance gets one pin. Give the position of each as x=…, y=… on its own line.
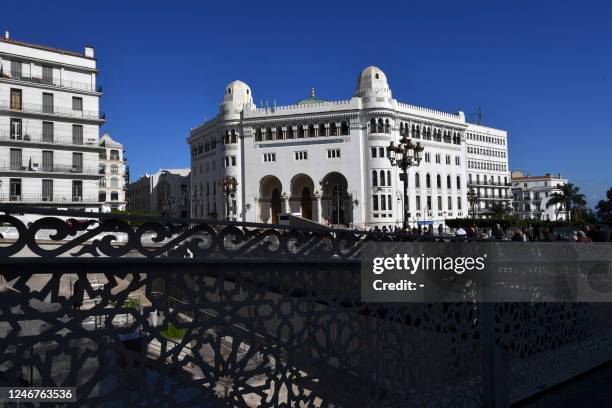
x=7, y=35
x=89, y=51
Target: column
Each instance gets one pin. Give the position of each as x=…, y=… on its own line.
x=286, y=203
x=319, y=208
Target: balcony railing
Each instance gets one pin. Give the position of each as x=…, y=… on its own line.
x=44, y=199
x=50, y=110
x=54, y=81
x=44, y=168
x=39, y=138
x=192, y=312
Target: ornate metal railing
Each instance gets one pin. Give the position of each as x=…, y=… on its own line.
x=160, y=311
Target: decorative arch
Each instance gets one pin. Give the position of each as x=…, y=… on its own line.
x=302, y=192
x=270, y=203
x=337, y=204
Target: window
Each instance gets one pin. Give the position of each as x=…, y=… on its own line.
x=233, y=161
x=374, y=178
x=459, y=203
x=438, y=181
x=428, y=203
x=16, y=160
x=458, y=183
x=114, y=196
x=448, y=182
x=333, y=129
x=383, y=203
x=15, y=189
x=428, y=181
x=102, y=196
x=417, y=180
x=418, y=203
x=16, y=100
x=344, y=129
x=47, y=74
x=16, y=129
x=427, y=158
x=311, y=131
x=322, y=130
x=258, y=136
x=77, y=162
x=382, y=178
x=47, y=132
x=448, y=159
x=269, y=157
x=114, y=169
x=114, y=154
x=373, y=150
x=450, y=203
x=16, y=70
x=77, y=190
x=279, y=133
x=77, y=134
x=77, y=104
x=114, y=182
x=302, y=155
x=457, y=161
x=381, y=152
x=375, y=202
x=268, y=133
x=47, y=190
x=47, y=160
x=301, y=132
x=438, y=158
x=290, y=134
x=333, y=153
x=47, y=102
x=389, y=200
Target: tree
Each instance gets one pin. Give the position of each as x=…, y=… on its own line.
x=569, y=198
x=499, y=211
x=604, y=207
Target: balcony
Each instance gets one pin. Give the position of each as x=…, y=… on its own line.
x=47, y=199
x=47, y=139
x=49, y=110
x=54, y=81
x=55, y=168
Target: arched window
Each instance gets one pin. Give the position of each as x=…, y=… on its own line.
x=372, y=125
x=333, y=130
x=458, y=183
x=268, y=133
x=401, y=128
x=226, y=138
x=448, y=181
x=311, y=131
x=290, y=134
x=279, y=133
x=114, y=169
x=258, y=136
x=438, y=181
x=322, y=131
x=344, y=128
x=233, y=136
x=382, y=178
x=381, y=126
x=374, y=178
x=389, y=178
x=417, y=180
x=387, y=126
x=114, y=154
x=301, y=132
x=428, y=181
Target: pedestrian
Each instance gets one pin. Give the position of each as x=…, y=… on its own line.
x=440, y=229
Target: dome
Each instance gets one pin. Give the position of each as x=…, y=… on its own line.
x=238, y=93
x=372, y=78
x=312, y=99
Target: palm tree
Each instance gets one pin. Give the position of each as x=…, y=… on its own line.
x=499, y=211
x=569, y=198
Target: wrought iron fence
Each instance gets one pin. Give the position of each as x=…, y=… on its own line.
x=255, y=315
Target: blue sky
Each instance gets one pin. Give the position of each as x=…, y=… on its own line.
x=539, y=69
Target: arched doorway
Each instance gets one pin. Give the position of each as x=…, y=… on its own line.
x=306, y=203
x=275, y=205
x=270, y=201
x=337, y=202
x=302, y=188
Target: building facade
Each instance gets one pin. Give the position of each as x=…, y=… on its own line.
x=164, y=193
x=488, y=175
x=49, y=126
x=113, y=170
x=531, y=195
x=328, y=160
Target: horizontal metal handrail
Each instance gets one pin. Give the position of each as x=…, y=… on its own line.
x=50, y=110
x=40, y=198
x=55, y=168
x=40, y=138
x=55, y=81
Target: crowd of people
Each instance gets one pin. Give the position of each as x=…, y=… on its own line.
x=585, y=233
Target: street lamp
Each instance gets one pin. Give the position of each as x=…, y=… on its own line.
x=404, y=156
x=229, y=185
x=473, y=200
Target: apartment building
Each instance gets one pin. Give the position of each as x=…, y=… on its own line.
x=49, y=126
x=113, y=168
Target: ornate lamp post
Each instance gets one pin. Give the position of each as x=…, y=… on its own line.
x=404, y=156
x=229, y=185
x=473, y=200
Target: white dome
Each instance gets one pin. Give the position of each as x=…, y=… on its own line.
x=372, y=78
x=238, y=93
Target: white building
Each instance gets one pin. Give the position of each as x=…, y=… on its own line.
x=165, y=193
x=113, y=168
x=531, y=195
x=487, y=167
x=49, y=126
x=327, y=160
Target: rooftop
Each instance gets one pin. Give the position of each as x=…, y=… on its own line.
x=44, y=47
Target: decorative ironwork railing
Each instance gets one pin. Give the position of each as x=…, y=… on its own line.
x=161, y=311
